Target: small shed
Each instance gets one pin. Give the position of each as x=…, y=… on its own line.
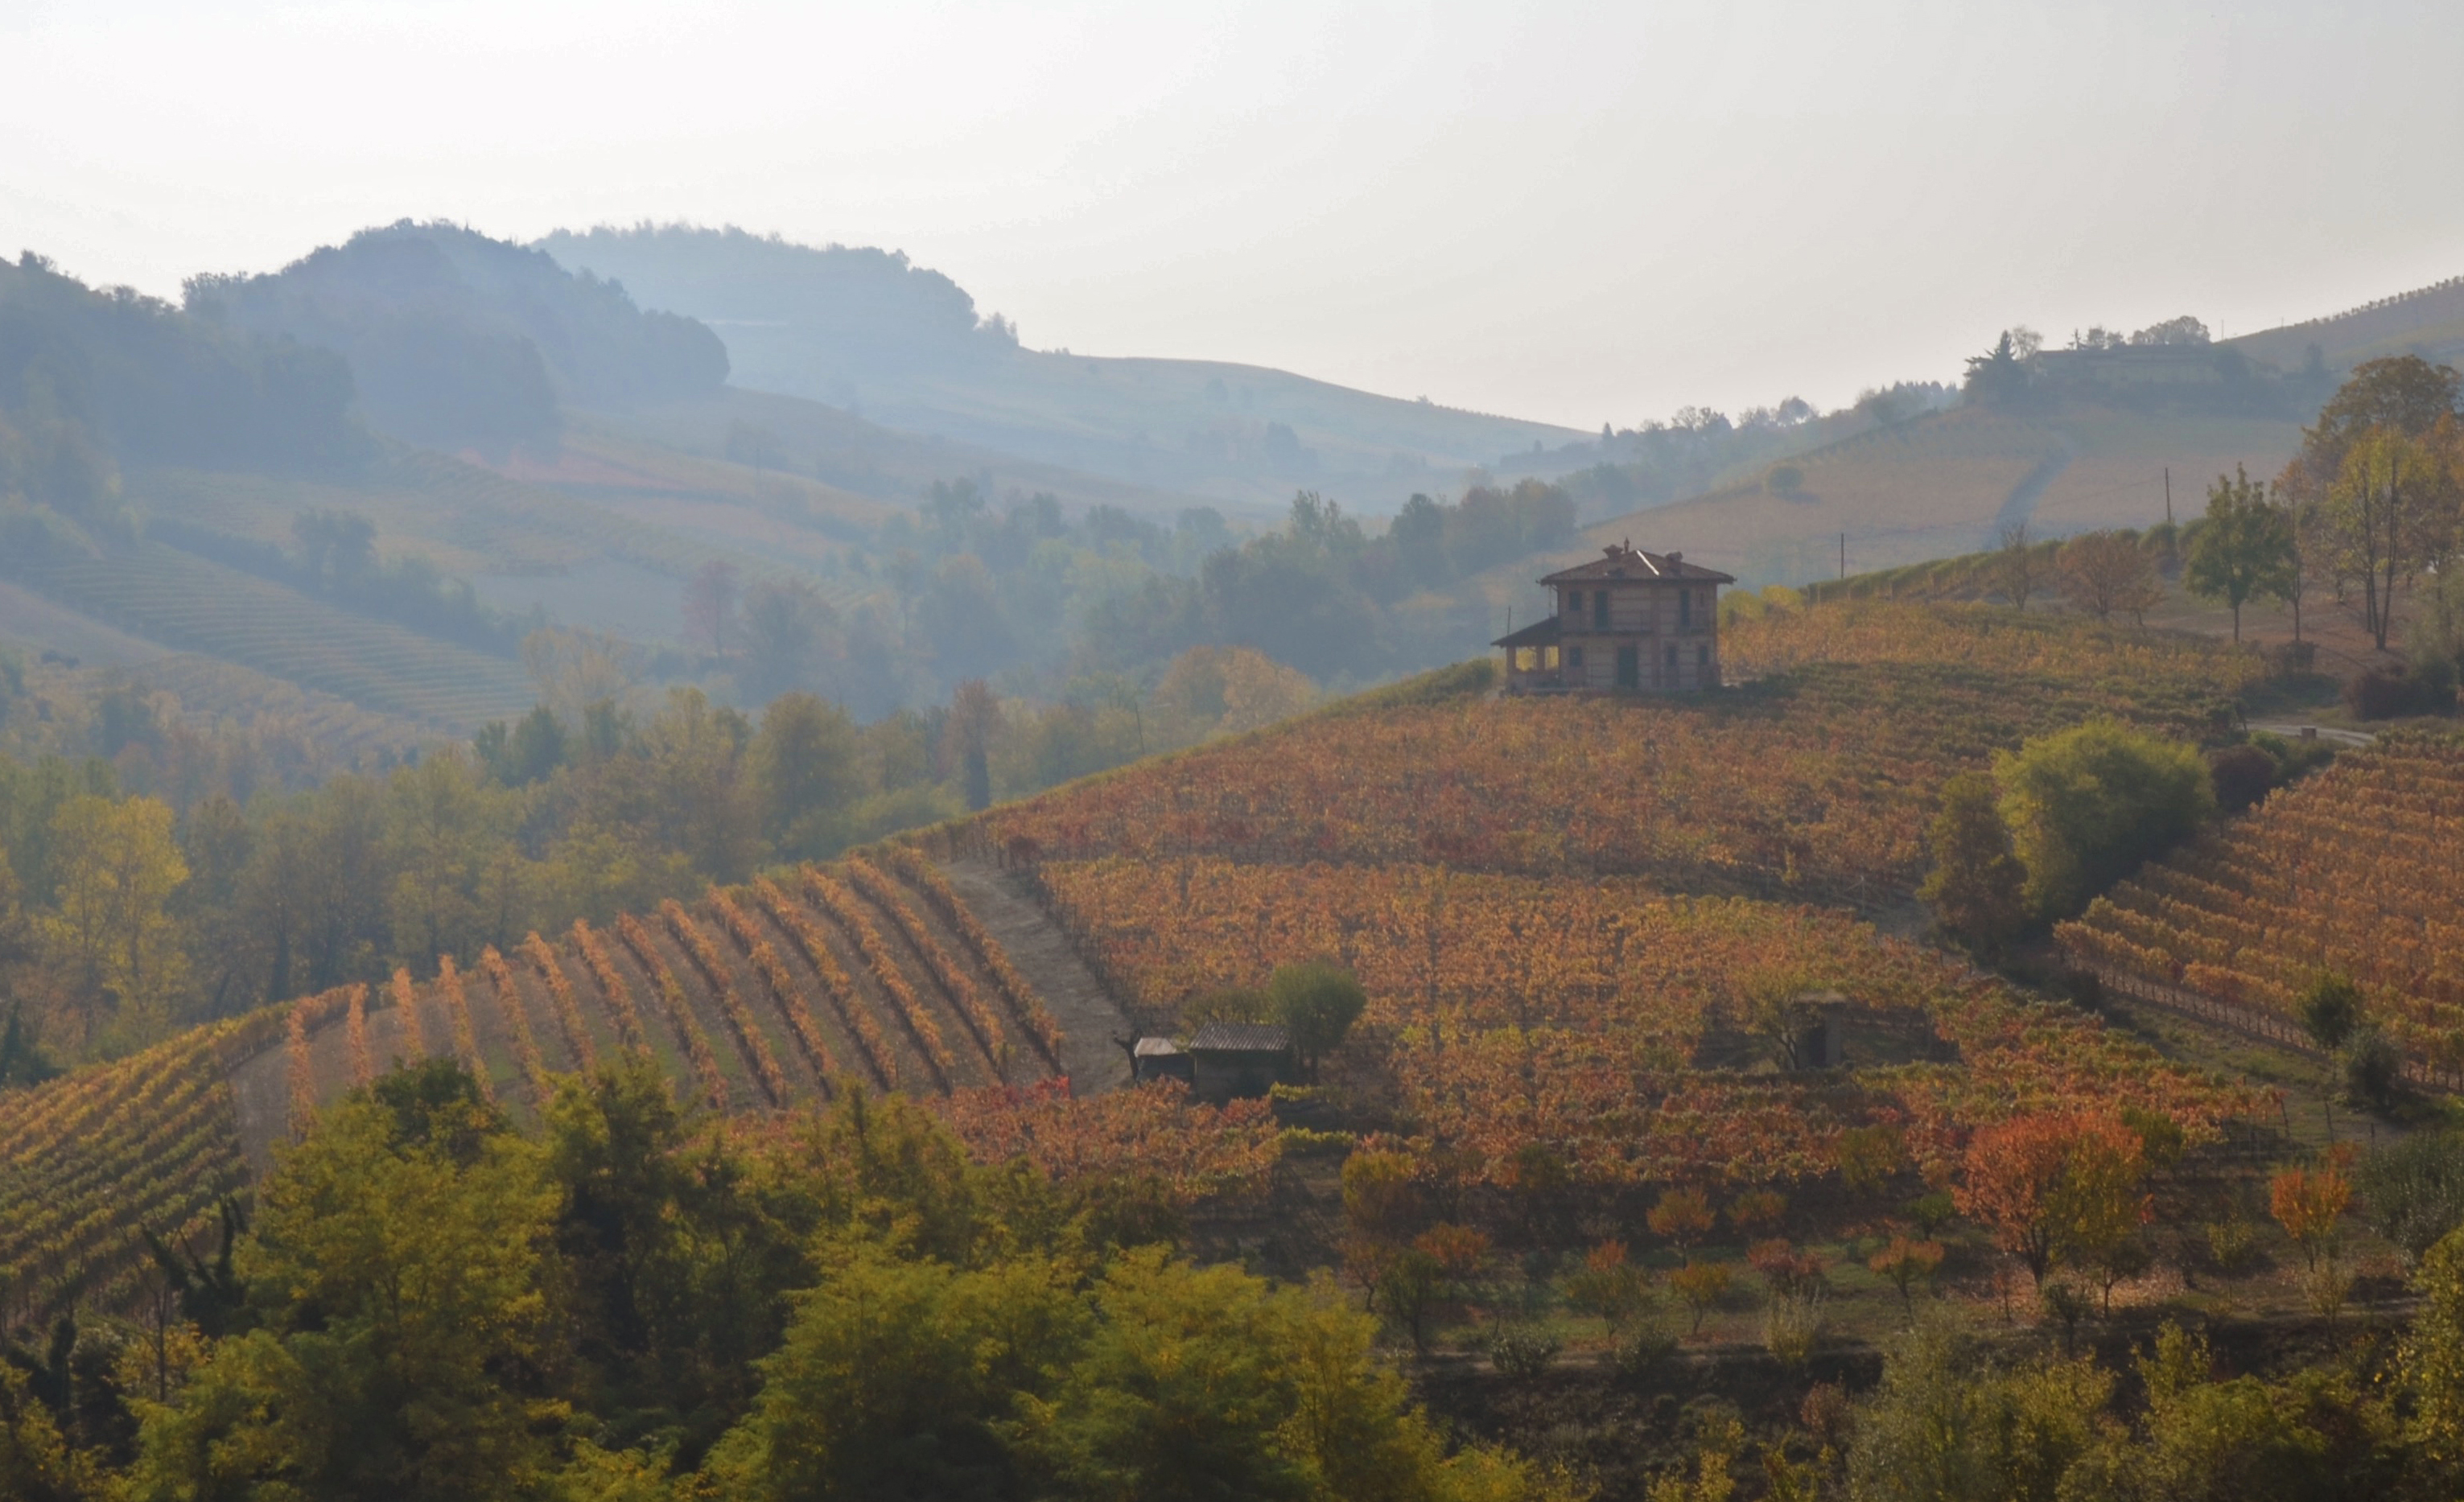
x=1239, y=1059
x=1161, y=1058
x=1823, y=1042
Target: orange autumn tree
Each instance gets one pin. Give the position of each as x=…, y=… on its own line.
x=2051, y=1185
x=2308, y=1203
x=1683, y=1216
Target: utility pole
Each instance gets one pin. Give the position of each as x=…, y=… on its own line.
x=2169, y=495
x=1843, y=555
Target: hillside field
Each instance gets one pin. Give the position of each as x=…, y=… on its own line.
x=1939, y=484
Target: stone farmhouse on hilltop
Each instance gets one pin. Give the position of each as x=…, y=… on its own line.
x=1629, y=621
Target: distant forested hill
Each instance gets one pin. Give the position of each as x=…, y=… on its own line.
x=854, y=308
x=456, y=338
x=89, y=379
x=868, y=331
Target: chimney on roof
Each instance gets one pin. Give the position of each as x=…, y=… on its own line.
x=1677, y=557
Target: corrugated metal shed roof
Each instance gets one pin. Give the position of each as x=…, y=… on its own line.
x=1241, y=1037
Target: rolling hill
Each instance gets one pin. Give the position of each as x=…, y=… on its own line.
x=1947, y=482
x=2094, y=447
x=870, y=332
x=2428, y=321
x=1497, y=916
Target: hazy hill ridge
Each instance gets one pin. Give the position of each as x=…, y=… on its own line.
x=869, y=331
x=458, y=338
x=2427, y=321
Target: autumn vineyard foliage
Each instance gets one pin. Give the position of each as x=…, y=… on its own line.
x=1576, y=1016
x=2353, y=871
x=89, y=1163
x=762, y=999
x=1569, y=917
x=1816, y=783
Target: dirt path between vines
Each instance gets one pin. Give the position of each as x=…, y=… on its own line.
x=1090, y=1019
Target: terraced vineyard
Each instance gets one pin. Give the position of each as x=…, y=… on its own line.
x=2355, y=870
x=183, y=601
x=755, y=1000
x=760, y=998
x=89, y=1163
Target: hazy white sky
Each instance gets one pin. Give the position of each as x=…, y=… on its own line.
x=1583, y=213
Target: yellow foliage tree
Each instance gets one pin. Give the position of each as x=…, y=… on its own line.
x=112, y=937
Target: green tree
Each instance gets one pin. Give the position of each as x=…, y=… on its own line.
x=2433, y=1360
x=897, y=1377
x=2000, y=375
x=403, y=1292
x=699, y=797
x=1207, y=1383
x=2087, y=805
x=2389, y=512
x=2246, y=549
x=38, y=1464
x=2330, y=1008
x=966, y=739
x=2311, y=1437
x=1947, y=1425
x=788, y=629
x=1976, y=888
x=2414, y=1190
x=676, y=1255
x=445, y=823
x=2404, y=394
x=1317, y=1004
x=805, y=773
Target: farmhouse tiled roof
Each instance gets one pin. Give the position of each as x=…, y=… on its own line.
x=1543, y=632
x=1624, y=562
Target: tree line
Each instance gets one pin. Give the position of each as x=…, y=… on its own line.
x=428, y=1305
x=165, y=882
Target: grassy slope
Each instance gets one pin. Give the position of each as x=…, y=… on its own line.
x=1940, y=486
x=2428, y=320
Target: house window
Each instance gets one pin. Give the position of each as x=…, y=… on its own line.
x=1574, y=657
x=1672, y=657
x=1686, y=610
x=1548, y=658
x=1599, y=610
x=1702, y=656
x=1573, y=602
